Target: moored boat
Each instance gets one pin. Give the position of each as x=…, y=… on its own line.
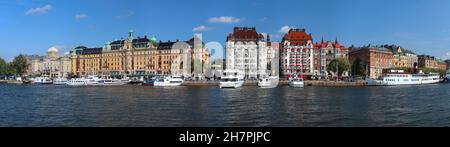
x=268, y=82
x=149, y=82
x=296, y=82
x=43, y=80
x=168, y=81
x=111, y=82
x=231, y=79
x=399, y=77
x=93, y=81
x=447, y=77
x=77, y=82
x=60, y=81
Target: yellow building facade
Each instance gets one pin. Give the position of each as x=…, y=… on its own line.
x=139, y=56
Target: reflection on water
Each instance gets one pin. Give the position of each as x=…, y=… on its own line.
x=48, y=105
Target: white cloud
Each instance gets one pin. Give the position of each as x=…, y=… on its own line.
x=285, y=29
x=448, y=54
x=81, y=16
x=39, y=11
x=201, y=28
x=224, y=19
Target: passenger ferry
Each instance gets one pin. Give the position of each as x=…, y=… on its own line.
x=399, y=77
x=168, y=81
x=231, y=79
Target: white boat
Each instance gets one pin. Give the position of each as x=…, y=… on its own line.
x=231, y=79
x=93, y=80
x=399, y=77
x=111, y=82
x=168, y=81
x=268, y=82
x=125, y=80
x=43, y=80
x=60, y=81
x=77, y=82
x=296, y=82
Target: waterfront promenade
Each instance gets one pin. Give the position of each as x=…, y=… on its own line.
x=283, y=83
x=255, y=83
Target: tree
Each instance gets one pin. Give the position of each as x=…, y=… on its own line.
x=358, y=68
x=3, y=67
x=340, y=65
x=20, y=65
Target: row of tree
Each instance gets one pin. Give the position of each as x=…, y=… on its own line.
x=17, y=67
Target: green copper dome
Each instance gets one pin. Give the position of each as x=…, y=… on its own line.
x=153, y=39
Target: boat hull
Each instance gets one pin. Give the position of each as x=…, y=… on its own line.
x=297, y=84
x=231, y=84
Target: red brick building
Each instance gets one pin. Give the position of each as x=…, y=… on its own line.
x=374, y=58
x=300, y=56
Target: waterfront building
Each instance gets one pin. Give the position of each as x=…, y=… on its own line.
x=427, y=61
x=137, y=57
x=403, y=58
x=246, y=51
x=51, y=65
x=217, y=68
x=374, y=58
x=296, y=54
x=86, y=61
x=448, y=64
x=300, y=56
x=442, y=65
x=324, y=53
x=34, y=61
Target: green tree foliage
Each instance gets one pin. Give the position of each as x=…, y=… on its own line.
x=340, y=65
x=20, y=65
x=358, y=68
x=5, y=68
x=441, y=72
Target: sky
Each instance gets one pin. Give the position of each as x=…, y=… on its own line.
x=33, y=26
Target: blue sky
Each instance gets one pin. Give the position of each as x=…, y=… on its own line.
x=33, y=26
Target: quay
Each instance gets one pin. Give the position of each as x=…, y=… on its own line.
x=283, y=83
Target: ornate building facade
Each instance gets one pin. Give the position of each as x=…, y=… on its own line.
x=403, y=58
x=51, y=65
x=301, y=57
x=136, y=57
x=247, y=51
x=296, y=54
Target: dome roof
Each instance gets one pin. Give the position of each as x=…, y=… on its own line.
x=52, y=49
x=153, y=39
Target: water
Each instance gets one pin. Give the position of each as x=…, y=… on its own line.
x=49, y=105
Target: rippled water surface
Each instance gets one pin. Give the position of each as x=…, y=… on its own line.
x=49, y=105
